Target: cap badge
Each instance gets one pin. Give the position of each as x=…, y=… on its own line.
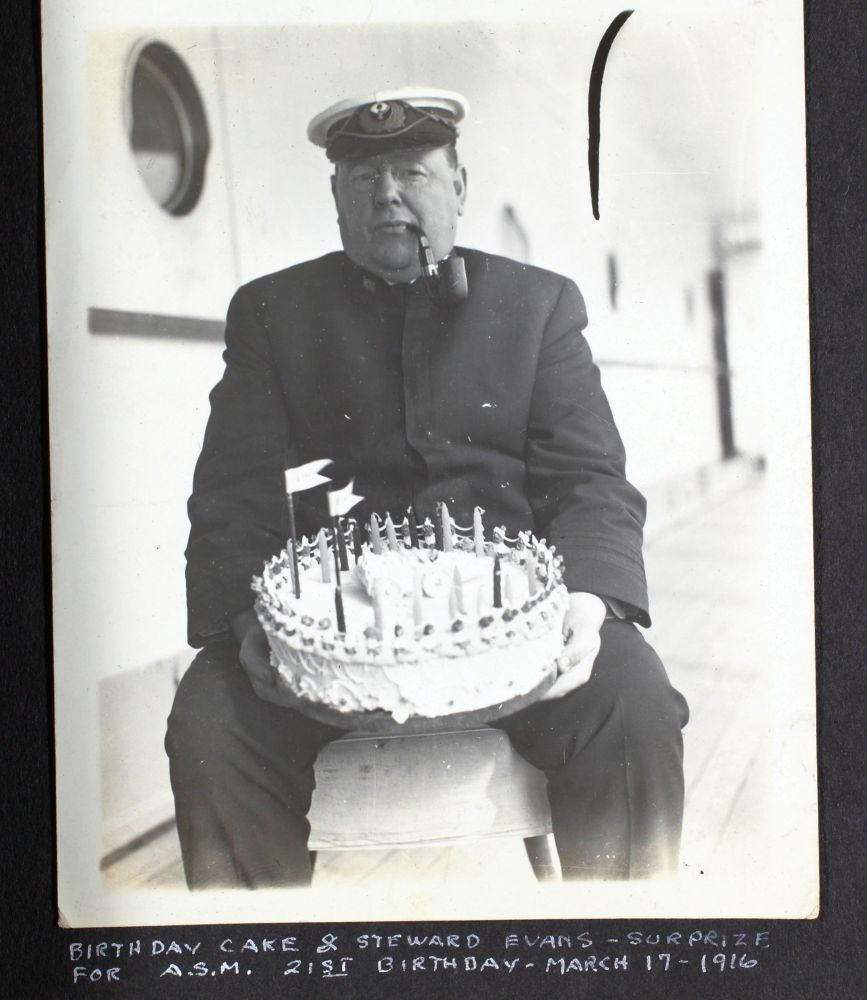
x=381, y=118
x=380, y=110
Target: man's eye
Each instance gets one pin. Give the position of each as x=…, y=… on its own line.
x=362, y=177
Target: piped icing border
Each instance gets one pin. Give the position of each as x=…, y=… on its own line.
x=466, y=635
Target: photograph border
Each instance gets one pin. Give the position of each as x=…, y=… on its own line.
x=822, y=955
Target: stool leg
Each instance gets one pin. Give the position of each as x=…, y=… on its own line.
x=543, y=857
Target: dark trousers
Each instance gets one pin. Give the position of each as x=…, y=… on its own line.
x=242, y=769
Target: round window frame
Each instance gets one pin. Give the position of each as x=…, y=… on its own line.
x=178, y=84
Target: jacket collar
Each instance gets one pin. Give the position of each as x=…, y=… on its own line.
x=365, y=288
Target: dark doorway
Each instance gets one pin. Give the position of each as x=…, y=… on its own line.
x=716, y=289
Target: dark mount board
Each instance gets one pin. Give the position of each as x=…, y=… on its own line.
x=817, y=959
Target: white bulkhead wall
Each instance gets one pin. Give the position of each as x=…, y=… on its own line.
x=143, y=258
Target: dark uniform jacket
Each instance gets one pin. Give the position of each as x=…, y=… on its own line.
x=492, y=402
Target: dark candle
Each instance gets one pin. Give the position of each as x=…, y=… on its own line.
x=338, y=607
x=335, y=550
x=341, y=543
x=293, y=545
x=498, y=573
x=438, y=528
x=413, y=528
x=356, y=541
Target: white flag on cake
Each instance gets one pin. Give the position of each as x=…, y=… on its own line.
x=305, y=477
x=341, y=502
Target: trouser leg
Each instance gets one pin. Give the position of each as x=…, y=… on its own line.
x=613, y=753
x=242, y=776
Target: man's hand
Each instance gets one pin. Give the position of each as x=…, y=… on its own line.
x=584, y=618
x=255, y=657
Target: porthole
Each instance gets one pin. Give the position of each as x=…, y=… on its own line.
x=167, y=127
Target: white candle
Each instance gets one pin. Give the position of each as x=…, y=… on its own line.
x=454, y=608
x=458, y=588
x=447, y=528
x=390, y=534
x=508, y=595
x=375, y=543
x=324, y=557
x=531, y=573
x=478, y=531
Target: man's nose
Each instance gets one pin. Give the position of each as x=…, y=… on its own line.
x=387, y=189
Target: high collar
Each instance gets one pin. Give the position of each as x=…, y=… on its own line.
x=367, y=288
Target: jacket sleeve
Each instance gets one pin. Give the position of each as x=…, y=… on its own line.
x=576, y=477
x=237, y=517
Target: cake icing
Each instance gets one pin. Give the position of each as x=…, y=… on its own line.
x=423, y=636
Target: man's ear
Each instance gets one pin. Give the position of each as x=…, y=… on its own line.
x=334, y=186
x=460, y=182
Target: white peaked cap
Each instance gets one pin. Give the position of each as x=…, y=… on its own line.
x=452, y=103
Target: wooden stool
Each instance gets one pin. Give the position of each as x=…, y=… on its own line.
x=431, y=789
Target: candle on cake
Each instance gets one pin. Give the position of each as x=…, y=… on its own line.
x=438, y=528
x=446, y=520
x=298, y=479
x=340, y=502
x=478, y=531
x=338, y=608
x=335, y=549
x=498, y=574
x=341, y=544
x=391, y=534
x=412, y=525
x=458, y=588
x=375, y=540
x=508, y=593
x=324, y=557
x=356, y=541
x=454, y=606
x=532, y=583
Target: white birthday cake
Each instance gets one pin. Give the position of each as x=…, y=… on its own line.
x=416, y=626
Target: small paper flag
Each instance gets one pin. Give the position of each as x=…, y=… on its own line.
x=305, y=477
x=341, y=502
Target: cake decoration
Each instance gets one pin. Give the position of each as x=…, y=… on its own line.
x=414, y=631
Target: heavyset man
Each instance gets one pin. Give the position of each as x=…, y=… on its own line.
x=484, y=394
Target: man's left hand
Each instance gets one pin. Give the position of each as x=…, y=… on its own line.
x=584, y=618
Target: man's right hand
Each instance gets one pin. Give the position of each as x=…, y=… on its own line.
x=255, y=657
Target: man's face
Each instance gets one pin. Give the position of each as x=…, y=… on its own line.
x=381, y=199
